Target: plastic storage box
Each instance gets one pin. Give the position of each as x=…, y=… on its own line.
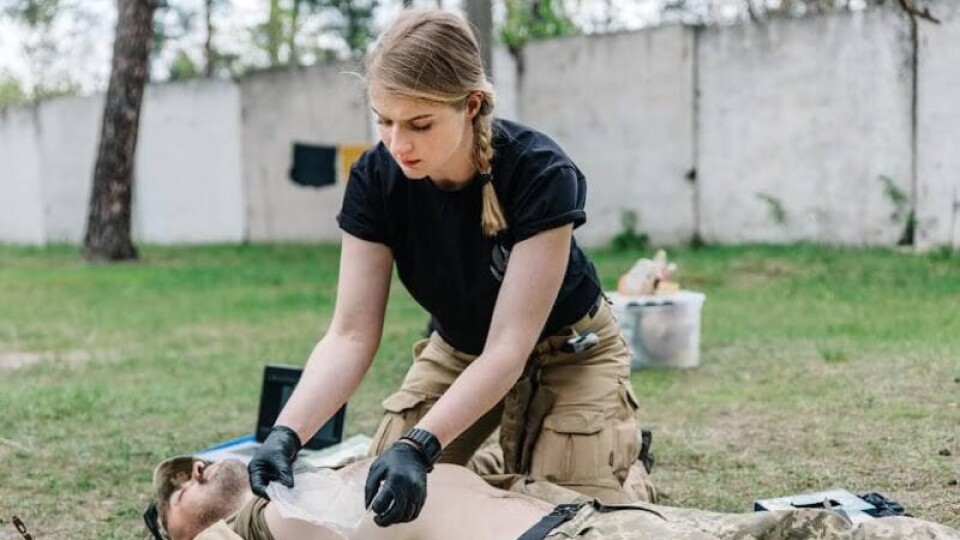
x=661, y=330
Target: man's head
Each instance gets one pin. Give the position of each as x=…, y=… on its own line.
x=192, y=494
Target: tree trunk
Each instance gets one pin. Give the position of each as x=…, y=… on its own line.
x=108, y=223
x=480, y=15
x=293, y=57
x=274, y=32
x=208, y=41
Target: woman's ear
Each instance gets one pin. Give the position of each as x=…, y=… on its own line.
x=474, y=102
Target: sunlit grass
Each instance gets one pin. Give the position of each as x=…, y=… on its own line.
x=820, y=368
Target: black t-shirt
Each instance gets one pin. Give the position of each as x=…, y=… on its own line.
x=443, y=258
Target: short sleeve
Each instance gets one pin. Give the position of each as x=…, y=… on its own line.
x=362, y=211
x=551, y=199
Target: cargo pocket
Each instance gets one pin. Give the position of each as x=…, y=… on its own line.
x=573, y=448
x=626, y=432
x=401, y=411
x=418, y=347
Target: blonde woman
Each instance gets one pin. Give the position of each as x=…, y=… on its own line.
x=478, y=215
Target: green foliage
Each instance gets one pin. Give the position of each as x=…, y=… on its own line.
x=183, y=67
x=11, y=91
x=34, y=13
x=42, y=48
x=171, y=23
x=528, y=20
x=775, y=207
x=629, y=239
x=354, y=23
x=810, y=358
x=288, y=40
x=903, y=211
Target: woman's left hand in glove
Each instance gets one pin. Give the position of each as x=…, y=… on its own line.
x=396, y=486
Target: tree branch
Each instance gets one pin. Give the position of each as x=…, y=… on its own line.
x=913, y=11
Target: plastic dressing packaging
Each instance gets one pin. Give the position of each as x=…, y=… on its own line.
x=323, y=498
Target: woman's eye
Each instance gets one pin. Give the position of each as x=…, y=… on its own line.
x=382, y=122
x=421, y=128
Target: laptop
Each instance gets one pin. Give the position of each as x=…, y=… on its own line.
x=279, y=382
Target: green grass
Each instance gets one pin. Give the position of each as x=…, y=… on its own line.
x=820, y=368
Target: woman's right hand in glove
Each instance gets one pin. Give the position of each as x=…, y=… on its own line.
x=273, y=461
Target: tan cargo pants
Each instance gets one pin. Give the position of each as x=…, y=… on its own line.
x=570, y=419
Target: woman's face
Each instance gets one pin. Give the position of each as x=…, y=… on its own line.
x=427, y=138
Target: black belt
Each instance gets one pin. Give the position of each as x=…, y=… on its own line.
x=563, y=513
x=560, y=515
x=596, y=305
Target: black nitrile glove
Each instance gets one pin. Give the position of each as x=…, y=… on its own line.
x=274, y=460
x=403, y=471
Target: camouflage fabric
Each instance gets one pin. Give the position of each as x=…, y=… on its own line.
x=643, y=521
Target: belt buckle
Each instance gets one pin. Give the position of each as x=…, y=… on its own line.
x=580, y=343
x=567, y=510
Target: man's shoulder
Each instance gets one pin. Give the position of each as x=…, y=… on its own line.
x=219, y=531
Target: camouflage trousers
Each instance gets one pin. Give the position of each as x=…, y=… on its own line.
x=641, y=521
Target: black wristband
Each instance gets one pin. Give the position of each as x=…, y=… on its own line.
x=292, y=433
x=426, y=442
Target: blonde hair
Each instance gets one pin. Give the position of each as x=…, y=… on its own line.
x=432, y=55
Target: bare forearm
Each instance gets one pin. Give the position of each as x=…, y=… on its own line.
x=481, y=386
x=333, y=372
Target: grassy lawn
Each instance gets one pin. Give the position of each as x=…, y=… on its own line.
x=821, y=368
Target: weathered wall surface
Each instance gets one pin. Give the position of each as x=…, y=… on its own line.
x=802, y=126
x=21, y=199
x=622, y=107
x=938, y=130
x=318, y=105
x=188, y=185
x=69, y=134
x=791, y=130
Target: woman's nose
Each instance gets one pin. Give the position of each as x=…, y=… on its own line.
x=400, y=145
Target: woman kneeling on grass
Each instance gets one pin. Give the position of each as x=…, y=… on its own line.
x=478, y=215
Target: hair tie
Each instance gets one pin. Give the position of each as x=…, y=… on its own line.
x=485, y=178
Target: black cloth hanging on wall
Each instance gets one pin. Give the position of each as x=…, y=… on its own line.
x=314, y=166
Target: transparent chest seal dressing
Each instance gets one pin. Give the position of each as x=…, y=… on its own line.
x=323, y=498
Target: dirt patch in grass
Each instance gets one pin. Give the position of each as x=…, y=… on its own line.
x=13, y=360
x=749, y=274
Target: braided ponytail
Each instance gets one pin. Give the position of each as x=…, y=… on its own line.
x=492, y=219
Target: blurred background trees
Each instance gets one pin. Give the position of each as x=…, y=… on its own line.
x=62, y=45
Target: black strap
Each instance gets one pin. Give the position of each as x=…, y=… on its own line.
x=560, y=515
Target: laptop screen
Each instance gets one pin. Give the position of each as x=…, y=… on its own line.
x=278, y=384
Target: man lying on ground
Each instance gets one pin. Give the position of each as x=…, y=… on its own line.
x=212, y=501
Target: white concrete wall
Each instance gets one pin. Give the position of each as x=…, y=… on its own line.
x=188, y=185
x=505, y=81
x=622, y=108
x=318, y=105
x=69, y=134
x=21, y=199
x=811, y=112
x=938, y=130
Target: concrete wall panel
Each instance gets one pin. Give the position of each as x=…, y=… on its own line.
x=21, y=198
x=622, y=108
x=505, y=81
x=69, y=134
x=318, y=105
x=938, y=130
x=188, y=183
x=808, y=116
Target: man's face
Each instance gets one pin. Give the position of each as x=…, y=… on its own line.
x=426, y=139
x=212, y=492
